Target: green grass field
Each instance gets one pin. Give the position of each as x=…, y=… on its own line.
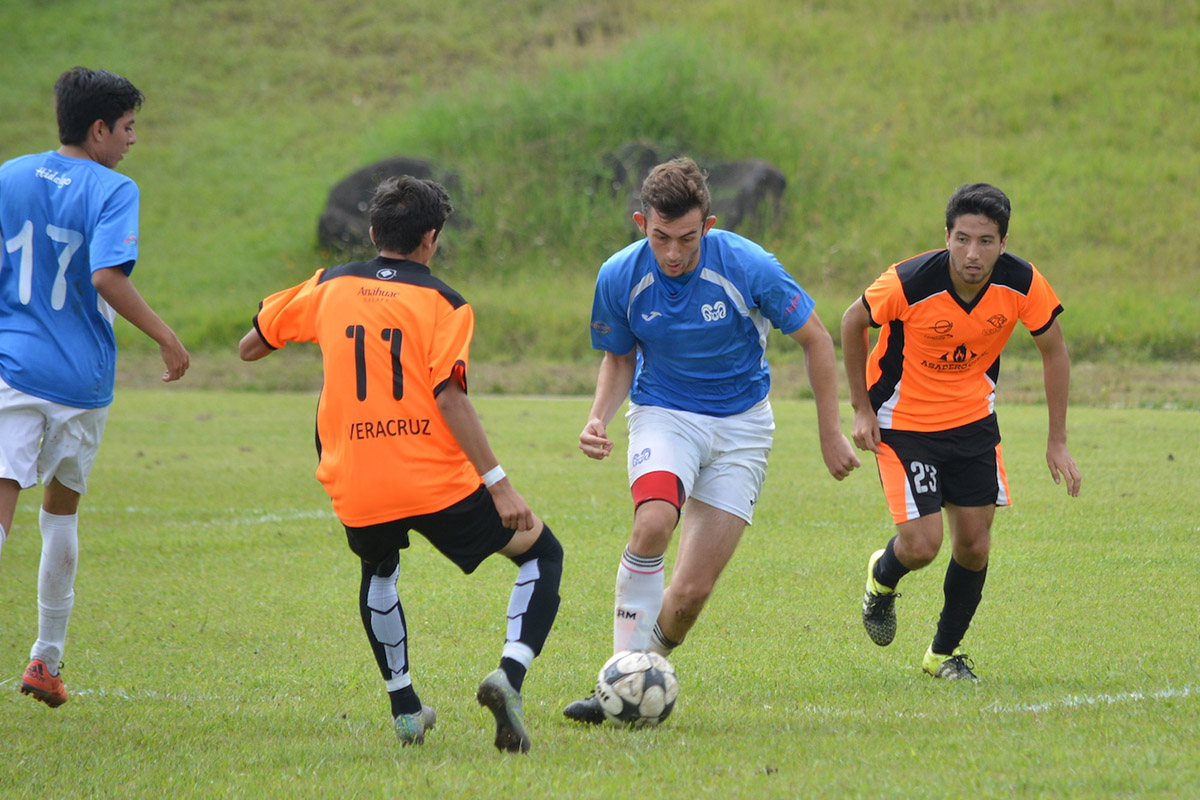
x=875, y=111
x=216, y=651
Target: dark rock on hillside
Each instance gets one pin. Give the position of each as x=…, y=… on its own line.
x=343, y=225
x=747, y=194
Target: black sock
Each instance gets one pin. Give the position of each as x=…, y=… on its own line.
x=535, y=600
x=963, y=590
x=515, y=672
x=888, y=569
x=404, y=701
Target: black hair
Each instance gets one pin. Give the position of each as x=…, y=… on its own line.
x=403, y=209
x=979, y=198
x=84, y=95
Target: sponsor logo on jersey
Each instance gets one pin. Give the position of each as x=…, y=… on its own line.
x=714, y=312
x=377, y=293
x=653, y=315
x=130, y=240
x=642, y=457
x=960, y=359
x=601, y=327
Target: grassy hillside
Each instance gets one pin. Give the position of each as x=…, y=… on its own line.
x=875, y=111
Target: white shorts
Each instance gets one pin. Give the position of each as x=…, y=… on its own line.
x=41, y=439
x=721, y=461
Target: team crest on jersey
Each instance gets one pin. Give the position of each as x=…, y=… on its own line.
x=713, y=312
x=997, y=321
x=386, y=274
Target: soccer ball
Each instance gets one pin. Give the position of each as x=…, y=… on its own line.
x=637, y=688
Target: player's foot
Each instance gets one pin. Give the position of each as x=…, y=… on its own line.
x=879, y=607
x=41, y=685
x=954, y=667
x=498, y=696
x=586, y=710
x=411, y=728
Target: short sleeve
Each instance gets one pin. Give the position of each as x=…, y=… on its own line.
x=287, y=316
x=610, y=328
x=114, y=240
x=1041, y=307
x=884, y=298
x=452, y=348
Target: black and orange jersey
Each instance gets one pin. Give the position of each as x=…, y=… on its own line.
x=937, y=359
x=391, y=336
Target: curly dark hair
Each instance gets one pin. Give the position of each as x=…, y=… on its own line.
x=404, y=208
x=674, y=188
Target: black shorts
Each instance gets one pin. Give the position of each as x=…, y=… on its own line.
x=923, y=471
x=466, y=533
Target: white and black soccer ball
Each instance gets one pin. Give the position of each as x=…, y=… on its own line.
x=637, y=688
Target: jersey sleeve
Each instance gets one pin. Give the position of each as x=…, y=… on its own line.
x=610, y=316
x=114, y=240
x=779, y=296
x=448, y=361
x=288, y=315
x=884, y=298
x=1042, y=306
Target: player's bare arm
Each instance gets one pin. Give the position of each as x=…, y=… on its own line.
x=119, y=292
x=612, y=387
x=252, y=347
x=463, y=421
x=1056, y=375
x=820, y=363
x=855, y=342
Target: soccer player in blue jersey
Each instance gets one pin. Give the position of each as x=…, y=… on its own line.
x=682, y=317
x=69, y=223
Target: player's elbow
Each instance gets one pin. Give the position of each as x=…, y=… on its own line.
x=252, y=347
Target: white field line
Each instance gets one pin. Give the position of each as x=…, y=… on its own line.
x=238, y=515
x=1069, y=702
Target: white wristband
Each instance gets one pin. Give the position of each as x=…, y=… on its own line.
x=493, y=475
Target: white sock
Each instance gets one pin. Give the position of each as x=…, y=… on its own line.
x=56, y=585
x=639, y=598
x=3, y=536
x=659, y=643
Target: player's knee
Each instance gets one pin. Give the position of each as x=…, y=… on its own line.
x=653, y=524
x=546, y=549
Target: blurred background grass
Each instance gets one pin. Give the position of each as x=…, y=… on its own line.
x=1084, y=113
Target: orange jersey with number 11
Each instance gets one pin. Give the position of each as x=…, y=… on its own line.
x=937, y=359
x=391, y=336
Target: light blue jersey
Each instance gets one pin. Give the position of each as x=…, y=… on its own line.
x=702, y=337
x=61, y=219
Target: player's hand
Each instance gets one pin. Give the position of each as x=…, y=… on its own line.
x=594, y=441
x=866, y=430
x=839, y=456
x=514, y=512
x=1058, y=458
x=176, y=357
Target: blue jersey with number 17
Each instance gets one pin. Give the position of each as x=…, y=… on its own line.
x=61, y=218
x=702, y=337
